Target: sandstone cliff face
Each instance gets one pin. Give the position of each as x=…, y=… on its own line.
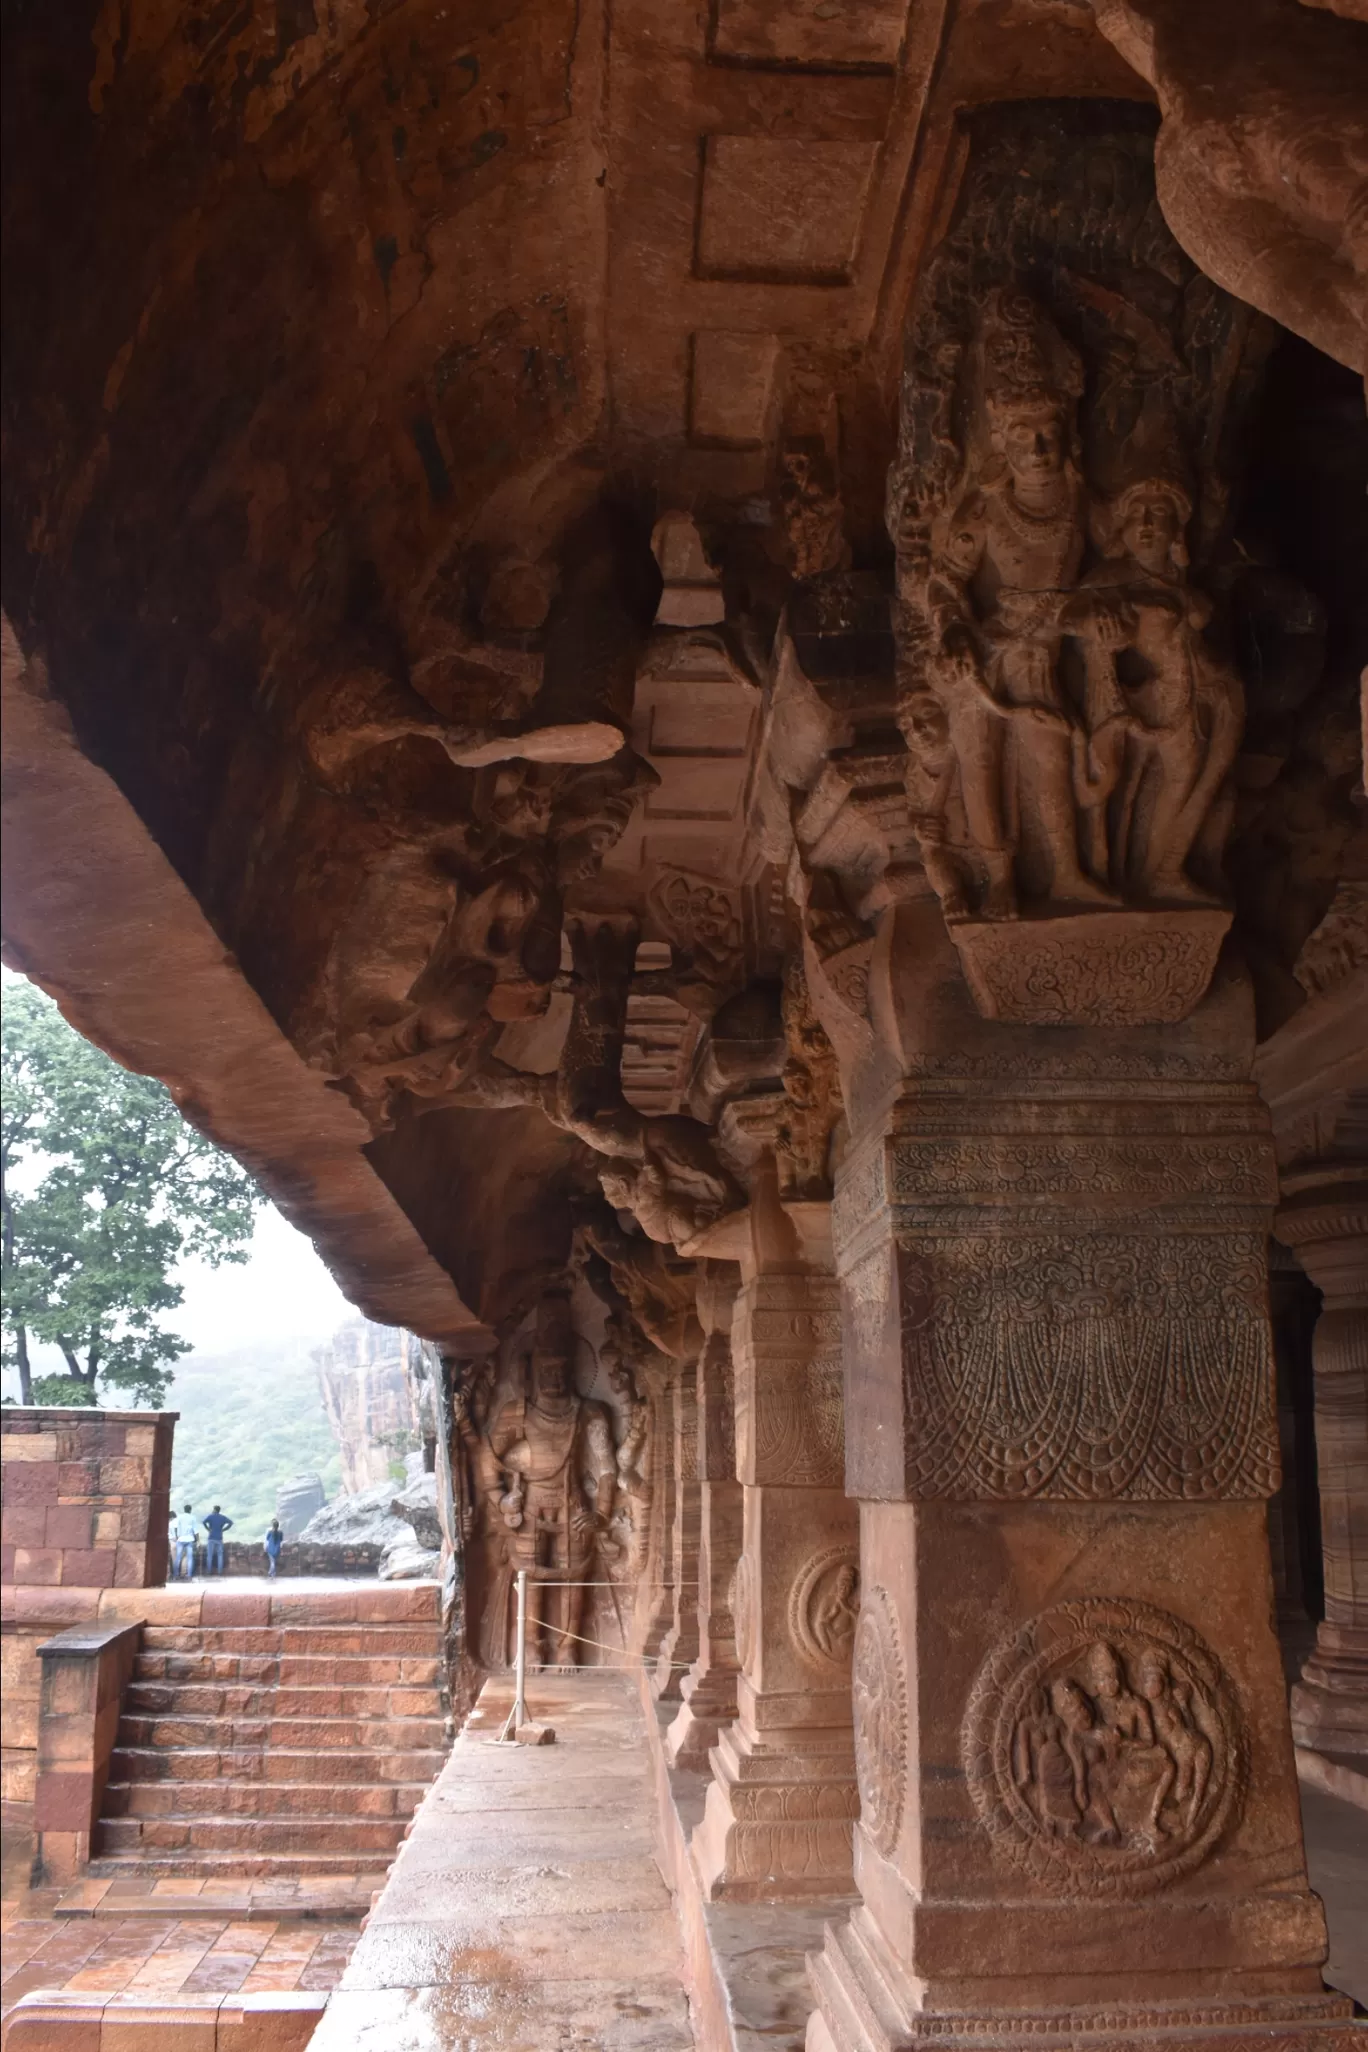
x=369, y=1397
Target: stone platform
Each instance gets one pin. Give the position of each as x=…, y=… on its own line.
x=525, y=1910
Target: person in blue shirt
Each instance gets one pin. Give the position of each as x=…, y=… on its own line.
x=184, y=1532
x=273, y=1542
x=215, y=1526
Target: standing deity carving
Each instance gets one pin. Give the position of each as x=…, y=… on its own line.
x=554, y=1455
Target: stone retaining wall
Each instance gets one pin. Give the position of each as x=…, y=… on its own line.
x=86, y=1496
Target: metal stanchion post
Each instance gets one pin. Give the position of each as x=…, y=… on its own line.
x=520, y=1670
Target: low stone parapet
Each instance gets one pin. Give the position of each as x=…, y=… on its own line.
x=301, y=1557
x=84, y=1672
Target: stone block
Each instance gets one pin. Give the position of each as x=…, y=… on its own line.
x=89, y=1567
x=169, y=2023
x=51, y=1608
x=134, y=1518
x=67, y=1524
x=47, y=2022
x=327, y=1606
x=37, y=1484
x=24, y=1524
x=274, y=2021
x=107, y=1529
x=18, y=1774
x=124, y=1475
x=37, y=1565
x=62, y=1801
x=130, y=1564
x=68, y=1686
x=20, y=1719
x=27, y=1446
x=140, y=1439
x=78, y=1478
x=227, y=1607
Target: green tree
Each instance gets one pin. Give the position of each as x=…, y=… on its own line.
x=103, y=1189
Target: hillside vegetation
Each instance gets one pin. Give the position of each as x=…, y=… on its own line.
x=250, y=1418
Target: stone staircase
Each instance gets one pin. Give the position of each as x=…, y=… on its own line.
x=275, y=1749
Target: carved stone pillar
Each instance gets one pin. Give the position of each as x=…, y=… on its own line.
x=653, y=1612
x=709, y=1688
x=679, y=1646
x=1325, y=1219
x=1080, y=1818
x=782, y=1801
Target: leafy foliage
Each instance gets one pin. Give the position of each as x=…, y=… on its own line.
x=104, y=1189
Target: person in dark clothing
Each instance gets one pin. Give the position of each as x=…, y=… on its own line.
x=215, y=1525
x=273, y=1542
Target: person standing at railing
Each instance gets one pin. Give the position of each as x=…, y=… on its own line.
x=215, y=1525
x=184, y=1532
x=272, y=1543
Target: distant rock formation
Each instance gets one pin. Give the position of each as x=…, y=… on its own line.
x=297, y=1500
x=367, y=1376
x=403, y=1521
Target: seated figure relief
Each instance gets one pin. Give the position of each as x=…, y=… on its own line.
x=1070, y=731
x=1103, y=1762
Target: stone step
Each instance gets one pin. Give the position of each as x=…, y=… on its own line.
x=300, y=1836
x=174, y=1797
x=267, y=1733
x=208, y=1866
x=243, y=1699
x=306, y=1670
x=281, y=1763
x=343, y=1639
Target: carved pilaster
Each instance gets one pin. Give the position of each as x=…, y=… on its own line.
x=1325, y=1220
x=708, y=1689
x=782, y=1802
x=679, y=1646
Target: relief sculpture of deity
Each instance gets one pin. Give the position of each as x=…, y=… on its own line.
x=1070, y=727
x=1104, y=1749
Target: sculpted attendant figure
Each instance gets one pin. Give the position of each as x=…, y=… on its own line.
x=1153, y=680
x=1004, y=564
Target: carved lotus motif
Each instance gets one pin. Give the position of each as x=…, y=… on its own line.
x=1104, y=1749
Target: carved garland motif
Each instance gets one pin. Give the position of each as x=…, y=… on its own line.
x=1117, y=1368
x=1104, y=1749
x=879, y=1690
x=824, y=1607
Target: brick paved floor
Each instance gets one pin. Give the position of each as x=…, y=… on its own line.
x=158, y=1955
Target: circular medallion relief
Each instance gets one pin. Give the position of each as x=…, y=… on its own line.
x=1104, y=1748
x=824, y=1607
x=879, y=1689
x=741, y=1598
